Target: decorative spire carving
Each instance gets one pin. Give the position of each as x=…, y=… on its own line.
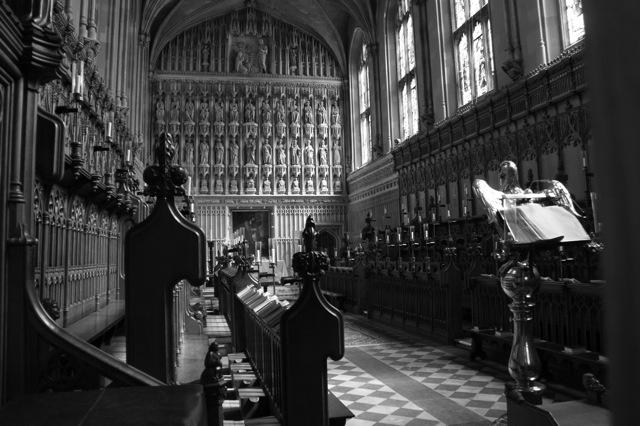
x=164, y=179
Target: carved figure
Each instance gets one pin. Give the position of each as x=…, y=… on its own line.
x=219, y=152
x=174, y=115
x=234, y=113
x=295, y=153
x=251, y=151
x=266, y=112
x=250, y=113
x=266, y=153
x=335, y=114
x=293, y=56
x=219, y=112
x=234, y=148
x=204, y=153
x=296, y=186
x=205, y=54
x=189, y=155
x=336, y=154
x=309, y=152
x=308, y=113
x=160, y=111
x=188, y=111
x=279, y=112
x=322, y=150
x=282, y=155
x=295, y=114
x=281, y=185
x=241, y=62
x=204, y=112
x=321, y=113
x=262, y=52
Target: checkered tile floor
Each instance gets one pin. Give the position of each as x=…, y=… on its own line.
x=472, y=392
x=371, y=401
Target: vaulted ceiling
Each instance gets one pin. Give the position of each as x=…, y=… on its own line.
x=329, y=20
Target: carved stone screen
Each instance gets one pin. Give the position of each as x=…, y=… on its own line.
x=256, y=108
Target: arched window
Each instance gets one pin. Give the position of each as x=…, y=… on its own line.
x=406, y=60
x=572, y=22
x=364, y=106
x=474, y=56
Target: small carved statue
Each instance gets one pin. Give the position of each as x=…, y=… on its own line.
x=219, y=112
x=295, y=114
x=336, y=154
x=266, y=153
x=309, y=151
x=241, y=62
x=262, y=52
x=204, y=112
x=160, y=111
x=322, y=151
x=206, y=50
x=282, y=155
x=250, y=112
x=321, y=112
x=281, y=185
x=219, y=152
x=174, y=115
x=295, y=153
x=204, y=153
x=234, y=113
x=308, y=113
x=279, y=112
x=251, y=151
x=309, y=235
x=189, y=155
x=335, y=114
x=266, y=112
x=188, y=111
x=234, y=148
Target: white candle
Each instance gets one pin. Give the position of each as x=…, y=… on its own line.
x=128, y=155
x=348, y=253
x=465, y=209
x=109, y=129
x=73, y=77
x=448, y=214
x=426, y=232
x=189, y=185
x=399, y=232
x=433, y=217
x=411, y=230
x=273, y=255
x=385, y=211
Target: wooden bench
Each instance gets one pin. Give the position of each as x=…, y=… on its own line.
x=280, y=360
x=98, y=323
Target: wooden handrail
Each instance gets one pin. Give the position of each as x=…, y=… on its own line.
x=104, y=363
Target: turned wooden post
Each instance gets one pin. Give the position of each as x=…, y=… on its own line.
x=304, y=359
x=159, y=252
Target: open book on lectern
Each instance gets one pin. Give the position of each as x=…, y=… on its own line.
x=533, y=222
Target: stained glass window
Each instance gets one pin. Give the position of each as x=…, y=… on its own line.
x=407, y=87
x=474, y=56
x=574, y=21
x=365, y=107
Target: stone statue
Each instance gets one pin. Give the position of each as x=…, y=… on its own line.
x=335, y=114
x=296, y=185
x=234, y=114
x=295, y=153
x=250, y=113
x=204, y=112
x=336, y=154
x=189, y=156
x=266, y=153
x=322, y=150
x=309, y=153
x=266, y=112
x=282, y=155
x=205, y=54
x=281, y=185
x=321, y=113
x=174, y=115
x=241, y=62
x=188, y=111
x=219, y=112
x=234, y=148
x=219, y=152
x=293, y=56
x=262, y=53
x=204, y=153
x=295, y=114
x=279, y=112
x=308, y=113
x=309, y=235
x=160, y=111
x=251, y=151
